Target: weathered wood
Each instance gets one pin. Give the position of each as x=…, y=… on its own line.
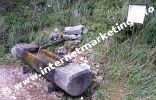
x=44, y=58
x=53, y=42
x=19, y=49
x=72, y=78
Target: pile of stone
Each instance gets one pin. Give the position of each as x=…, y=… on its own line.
x=73, y=77
x=72, y=35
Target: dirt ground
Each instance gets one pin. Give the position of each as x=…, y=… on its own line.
x=11, y=75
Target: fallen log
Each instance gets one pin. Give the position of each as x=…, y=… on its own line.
x=54, y=42
x=73, y=78
x=19, y=49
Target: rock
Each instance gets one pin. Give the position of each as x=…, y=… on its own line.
x=25, y=69
x=55, y=34
x=19, y=49
x=99, y=79
x=73, y=37
x=49, y=87
x=77, y=42
x=61, y=51
x=79, y=37
x=69, y=37
x=74, y=30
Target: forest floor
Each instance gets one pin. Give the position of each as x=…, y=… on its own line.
x=10, y=75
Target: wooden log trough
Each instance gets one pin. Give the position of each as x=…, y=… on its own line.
x=73, y=78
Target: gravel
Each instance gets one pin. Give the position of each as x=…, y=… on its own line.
x=11, y=75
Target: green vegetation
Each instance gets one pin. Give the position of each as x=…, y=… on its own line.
x=128, y=65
